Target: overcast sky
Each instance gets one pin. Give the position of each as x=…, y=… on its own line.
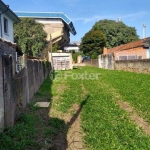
x=84, y=13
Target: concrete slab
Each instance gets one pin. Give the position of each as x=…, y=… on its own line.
x=42, y=104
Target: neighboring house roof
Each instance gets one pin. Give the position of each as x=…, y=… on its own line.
x=138, y=43
x=76, y=43
x=60, y=15
x=9, y=12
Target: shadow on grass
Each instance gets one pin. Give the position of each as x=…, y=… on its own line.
x=59, y=130
x=28, y=131
x=35, y=130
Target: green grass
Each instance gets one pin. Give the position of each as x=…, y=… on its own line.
x=25, y=133
x=22, y=135
x=71, y=94
x=133, y=87
x=106, y=125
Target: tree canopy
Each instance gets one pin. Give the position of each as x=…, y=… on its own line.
x=116, y=33
x=92, y=43
x=30, y=36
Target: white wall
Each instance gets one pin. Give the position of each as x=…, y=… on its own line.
x=67, y=49
x=62, y=55
x=48, y=20
x=8, y=37
x=148, y=53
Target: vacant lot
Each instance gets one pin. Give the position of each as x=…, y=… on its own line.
x=91, y=108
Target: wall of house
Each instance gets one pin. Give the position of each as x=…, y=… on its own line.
x=7, y=37
x=148, y=53
x=139, y=49
x=67, y=49
x=133, y=53
x=57, y=29
x=52, y=26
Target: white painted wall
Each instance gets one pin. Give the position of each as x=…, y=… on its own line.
x=67, y=49
x=10, y=36
x=61, y=56
x=48, y=20
x=148, y=53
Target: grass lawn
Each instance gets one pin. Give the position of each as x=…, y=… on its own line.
x=104, y=124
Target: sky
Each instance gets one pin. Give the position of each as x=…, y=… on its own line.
x=85, y=13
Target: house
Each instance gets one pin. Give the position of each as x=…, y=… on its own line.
x=139, y=49
x=7, y=45
x=7, y=19
x=56, y=24
x=74, y=46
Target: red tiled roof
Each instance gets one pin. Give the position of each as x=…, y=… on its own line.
x=139, y=43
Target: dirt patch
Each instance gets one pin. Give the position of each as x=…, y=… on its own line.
x=43, y=114
x=75, y=136
x=139, y=121
x=71, y=138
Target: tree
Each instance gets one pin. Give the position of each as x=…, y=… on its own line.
x=92, y=43
x=116, y=33
x=55, y=47
x=75, y=56
x=30, y=36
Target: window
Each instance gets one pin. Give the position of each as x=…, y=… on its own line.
x=5, y=25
